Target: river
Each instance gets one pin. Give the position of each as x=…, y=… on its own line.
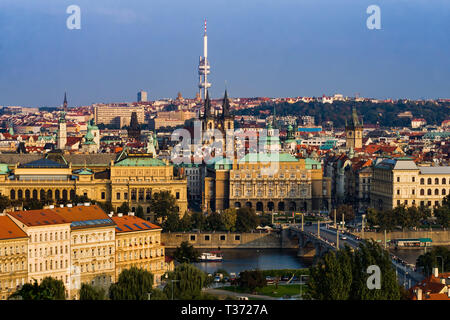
x=237, y=260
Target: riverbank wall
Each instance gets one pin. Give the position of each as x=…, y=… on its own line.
x=230, y=240
x=438, y=237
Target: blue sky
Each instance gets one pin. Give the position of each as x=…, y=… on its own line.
x=259, y=47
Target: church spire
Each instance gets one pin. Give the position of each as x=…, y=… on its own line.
x=226, y=106
x=65, y=102
x=207, y=113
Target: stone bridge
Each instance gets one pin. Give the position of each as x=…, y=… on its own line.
x=309, y=244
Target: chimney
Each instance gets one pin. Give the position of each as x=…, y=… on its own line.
x=61, y=206
x=119, y=215
x=51, y=206
x=87, y=204
x=436, y=272
x=419, y=294
x=111, y=213
x=69, y=205
x=443, y=280
x=131, y=213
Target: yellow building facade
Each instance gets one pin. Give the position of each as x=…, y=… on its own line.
x=400, y=181
x=130, y=178
x=13, y=257
x=48, y=244
x=268, y=183
x=138, y=244
x=92, y=247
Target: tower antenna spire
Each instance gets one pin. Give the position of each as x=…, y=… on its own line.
x=203, y=67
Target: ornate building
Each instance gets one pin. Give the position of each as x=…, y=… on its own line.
x=62, y=129
x=223, y=122
x=267, y=183
x=399, y=181
x=131, y=178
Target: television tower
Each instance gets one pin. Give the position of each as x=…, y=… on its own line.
x=203, y=68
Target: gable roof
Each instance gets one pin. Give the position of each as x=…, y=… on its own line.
x=9, y=230
x=41, y=217
x=133, y=223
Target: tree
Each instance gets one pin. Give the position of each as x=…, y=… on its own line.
x=133, y=284
x=343, y=275
x=162, y=204
x=186, y=253
x=228, y=217
x=345, y=209
x=430, y=260
x=172, y=223
x=140, y=212
x=198, y=221
x=214, y=222
x=49, y=289
x=188, y=283
x=246, y=219
x=5, y=203
x=442, y=214
x=105, y=206
x=88, y=292
x=252, y=279
x=124, y=208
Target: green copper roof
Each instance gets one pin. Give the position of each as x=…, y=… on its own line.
x=140, y=162
x=4, y=168
x=310, y=162
x=84, y=171
x=268, y=157
x=218, y=161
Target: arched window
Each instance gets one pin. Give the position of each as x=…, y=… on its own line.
x=57, y=194
x=444, y=192
x=429, y=181
x=20, y=194
x=429, y=192
x=12, y=194
x=42, y=194
x=436, y=181
x=444, y=181
x=35, y=194
x=422, y=192
x=49, y=194
x=422, y=181
x=27, y=194
x=436, y=192
x=64, y=194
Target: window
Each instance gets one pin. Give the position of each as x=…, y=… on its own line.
x=178, y=195
x=237, y=237
x=413, y=179
x=422, y=181
x=222, y=238
x=398, y=191
x=207, y=237
x=103, y=195
x=118, y=196
x=125, y=195
x=192, y=237
x=429, y=192
x=443, y=192
x=436, y=192
x=444, y=181
x=429, y=181
x=398, y=179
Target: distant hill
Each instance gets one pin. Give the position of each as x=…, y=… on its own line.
x=384, y=114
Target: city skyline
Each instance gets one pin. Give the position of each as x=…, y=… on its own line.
x=286, y=49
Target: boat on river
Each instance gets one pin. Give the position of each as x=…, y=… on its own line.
x=211, y=257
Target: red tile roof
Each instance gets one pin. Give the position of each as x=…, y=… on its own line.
x=81, y=213
x=9, y=230
x=131, y=223
x=42, y=217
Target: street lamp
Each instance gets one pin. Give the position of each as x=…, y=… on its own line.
x=149, y=295
x=362, y=226
x=167, y=276
x=442, y=262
